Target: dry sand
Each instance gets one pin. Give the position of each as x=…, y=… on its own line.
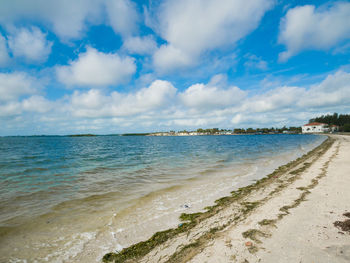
x=289, y=217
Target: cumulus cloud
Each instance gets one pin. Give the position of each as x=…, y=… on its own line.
x=30, y=44
x=17, y=84
x=10, y=109
x=33, y=104
x=19, y=93
x=122, y=16
x=332, y=91
x=4, y=56
x=192, y=27
x=66, y=18
x=94, y=68
x=96, y=104
x=307, y=27
x=140, y=45
x=168, y=57
x=278, y=98
x=36, y=104
x=206, y=97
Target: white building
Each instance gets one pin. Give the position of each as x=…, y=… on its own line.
x=315, y=127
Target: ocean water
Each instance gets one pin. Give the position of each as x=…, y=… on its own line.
x=73, y=199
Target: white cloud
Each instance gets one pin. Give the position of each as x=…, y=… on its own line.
x=333, y=91
x=96, y=104
x=192, y=27
x=307, y=27
x=10, y=109
x=31, y=44
x=4, y=56
x=276, y=99
x=17, y=84
x=265, y=120
x=195, y=122
x=169, y=57
x=123, y=16
x=14, y=91
x=242, y=118
x=140, y=45
x=206, y=97
x=65, y=17
x=94, y=68
x=69, y=19
x=36, y=104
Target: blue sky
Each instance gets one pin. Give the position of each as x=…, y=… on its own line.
x=115, y=66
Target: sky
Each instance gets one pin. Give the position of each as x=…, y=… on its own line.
x=117, y=66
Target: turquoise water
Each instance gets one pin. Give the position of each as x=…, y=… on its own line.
x=52, y=183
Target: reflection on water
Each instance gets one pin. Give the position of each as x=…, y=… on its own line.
x=75, y=198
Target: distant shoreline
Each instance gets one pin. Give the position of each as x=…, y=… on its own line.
x=167, y=135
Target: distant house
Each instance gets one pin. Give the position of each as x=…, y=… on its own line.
x=315, y=127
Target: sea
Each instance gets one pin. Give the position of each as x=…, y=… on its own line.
x=73, y=199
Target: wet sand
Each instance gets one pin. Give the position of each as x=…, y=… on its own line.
x=287, y=217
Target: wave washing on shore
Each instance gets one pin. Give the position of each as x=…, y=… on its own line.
x=75, y=199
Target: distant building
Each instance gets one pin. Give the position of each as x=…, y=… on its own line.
x=315, y=127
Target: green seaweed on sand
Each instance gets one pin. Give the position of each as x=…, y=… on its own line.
x=253, y=234
x=253, y=249
x=268, y=222
x=249, y=206
x=189, y=217
x=142, y=248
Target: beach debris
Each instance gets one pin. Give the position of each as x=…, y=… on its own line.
x=228, y=243
x=186, y=206
x=248, y=244
x=347, y=214
x=181, y=224
x=343, y=225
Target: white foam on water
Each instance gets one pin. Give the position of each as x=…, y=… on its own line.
x=70, y=249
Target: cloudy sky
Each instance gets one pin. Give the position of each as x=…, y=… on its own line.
x=115, y=66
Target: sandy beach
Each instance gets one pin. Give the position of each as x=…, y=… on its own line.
x=295, y=214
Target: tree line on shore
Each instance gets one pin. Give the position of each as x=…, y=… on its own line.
x=245, y=131
x=269, y=130
x=341, y=120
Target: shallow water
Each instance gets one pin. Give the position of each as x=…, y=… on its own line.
x=68, y=199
